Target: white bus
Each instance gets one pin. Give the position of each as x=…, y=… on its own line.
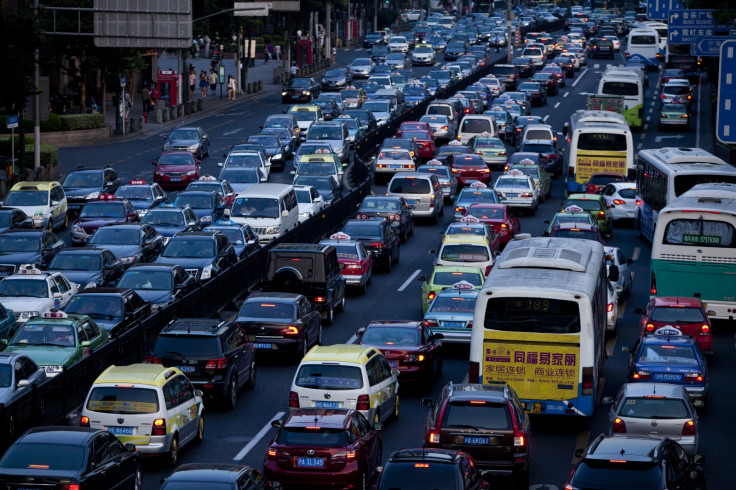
x=662, y=30
x=540, y=324
x=644, y=42
x=597, y=142
x=694, y=249
x=631, y=89
x=665, y=173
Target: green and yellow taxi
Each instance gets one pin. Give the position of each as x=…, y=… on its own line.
x=597, y=206
x=573, y=214
x=55, y=340
x=154, y=407
x=444, y=276
x=491, y=149
x=539, y=175
x=44, y=202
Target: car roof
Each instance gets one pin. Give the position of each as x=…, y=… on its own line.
x=103, y=291
x=497, y=391
x=34, y=186
x=585, y=197
x=152, y=266
x=667, y=390
x=433, y=455
x=58, y=435
x=275, y=297
x=349, y=353
x=143, y=374
x=195, y=325
x=465, y=238
x=395, y=323
x=321, y=417
x=300, y=247
x=207, y=473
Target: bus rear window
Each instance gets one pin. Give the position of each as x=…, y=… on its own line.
x=620, y=88
x=532, y=315
x=602, y=142
x=642, y=39
x=699, y=233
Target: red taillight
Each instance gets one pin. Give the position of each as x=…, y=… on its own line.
x=444, y=127
x=619, y=202
x=619, y=426
x=587, y=381
x=610, y=307
x=638, y=202
x=293, y=400
x=154, y=360
x=363, y=403
x=519, y=437
x=290, y=330
x=71, y=486
x=641, y=375
x=688, y=428
x=347, y=454
x=216, y=364
x=394, y=217
x=705, y=330
x=653, y=289
x=431, y=323
x=601, y=214
x=694, y=377
x=431, y=295
x=473, y=372
x=378, y=244
x=459, y=209
x=271, y=453
x=488, y=269
x=159, y=427
x=433, y=437
x=84, y=421
x=319, y=299
x=650, y=327
x=362, y=216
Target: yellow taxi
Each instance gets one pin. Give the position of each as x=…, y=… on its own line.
x=44, y=202
x=154, y=407
x=468, y=250
x=347, y=376
x=305, y=115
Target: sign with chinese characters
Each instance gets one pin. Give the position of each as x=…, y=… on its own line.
x=589, y=165
x=536, y=371
x=687, y=25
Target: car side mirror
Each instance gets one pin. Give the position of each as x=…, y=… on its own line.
x=220, y=164
x=277, y=423
x=86, y=343
x=422, y=278
x=198, y=393
x=284, y=213
x=293, y=172
x=377, y=426
x=360, y=332
x=579, y=453
x=698, y=459
x=711, y=313
x=438, y=336
x=426, y=403
x=24, y=383
x=54, y=203
x=607, y=400
x=56, y=295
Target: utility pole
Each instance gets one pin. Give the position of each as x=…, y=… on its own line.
x=375, y=15
x=328, y=30
x=511, y=37
x=36, y=101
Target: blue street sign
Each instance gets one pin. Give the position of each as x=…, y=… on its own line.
x=518, y=10
x=707, y=46
x=660, y=9
x=726, y=115
x=11, y=122
x=685, y=26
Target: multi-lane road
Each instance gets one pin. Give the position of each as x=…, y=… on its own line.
x=242, y=435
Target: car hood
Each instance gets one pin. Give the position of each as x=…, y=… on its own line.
x=121, y=251
x=17, y=258
x=154, y=296
x=23, y=303
x=34, y=211
x=81, y=277
x=333, y=79
x=177, y=142
x=80, y=192
x=94, y=223
x=137, y=205
x=168, y=231
x=44, y=355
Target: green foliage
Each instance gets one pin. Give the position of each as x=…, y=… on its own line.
x=5, y=145
x=75, y=122
x=49, y=155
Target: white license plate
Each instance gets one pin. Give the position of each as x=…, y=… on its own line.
x=310, y=462
x=262, y=346
x=327, y=404
x=120, y=431
x=393, y=364
x=186, y=369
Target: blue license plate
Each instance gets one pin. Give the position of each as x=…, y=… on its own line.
x=393, y=364
x=295, y=96
x=327, y=404
x=411, y=201
x=453, y=324
x=310, y=462
x=186, y=369
x=477, y=441
x=512, y=194
x=394, y=165
x=120, y=431
x=262, y=346
x=667, y=377
x=175, y=179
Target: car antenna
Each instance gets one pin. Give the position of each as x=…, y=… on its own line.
x=654, y=388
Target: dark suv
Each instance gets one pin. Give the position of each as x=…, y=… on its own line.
x=215, y=355
x=431, y=468
x=308, y=269
x=598, y=48
x=84, y=184
x=488, y=422
x=637, y=462
x=508, y=74
x=203, y=254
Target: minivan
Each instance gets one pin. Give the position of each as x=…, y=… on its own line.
x=270, y=209
x=335, y=133
x=474, y=125
x=445, y=109
x=394, y=95
x=423, y=192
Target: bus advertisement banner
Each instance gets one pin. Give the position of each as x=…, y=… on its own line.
x=589, y=163
x=537, y=371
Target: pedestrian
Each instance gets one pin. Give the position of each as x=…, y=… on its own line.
x=203, y=83
x=334, y=54
x=231, y=87
x=266, y=54
x=293, y=69
x=154, y=95
x=127, y=103
x=192, y=82
x=145, y=98
x=213, y=82
x=277, y=52
x=497, y=42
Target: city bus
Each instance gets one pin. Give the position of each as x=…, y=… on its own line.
x=644, y=42
x=694, y=249
x=631, y=89
x=665, y=173
x=540, y=324
x=597, y=142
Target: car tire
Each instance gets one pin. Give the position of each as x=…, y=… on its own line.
x=199, y=436
x=403, y=236
x=50, y=224
x=442, y=211
x=363, y=288
x=172, y=456
x=252, y=379
x=330, y=316
x=609, y=230
x=66, y=222
x=231, y=397
x=411, y=230
x=300, y=353
x=341, y=305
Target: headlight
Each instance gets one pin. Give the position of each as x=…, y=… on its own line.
x=277, y=156
x=307, y=92
x=90, y=285
x=167, y=147
x=205, y=219
x=284, y=93
x=304, y=215
x=25, y=315
x=93, y=195
x=77, y=229
x=272, y=230
x=141, y=212
x=192, y=172
x=193, y=147
x=341, y=81
x=56, y=369
x=206, y=272
x=166, y=240
x=128, y=260
x=160, y=173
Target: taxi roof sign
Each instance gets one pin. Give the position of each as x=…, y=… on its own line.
x=463, y=285
x=106, y=197
x=455, y=143
x=469, y=219
x=207, y=178
x=322, y=150
x=434, y=162
x=54, y=313
x=137, y=182
x=29, y=269
x=667, y=330
x=574, y=209
x=478, y=185
x=486, y=134
x=526, y=161
x=515, y=172
x=340, y=236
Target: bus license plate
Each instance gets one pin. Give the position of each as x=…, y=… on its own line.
x=533, y=407
x=120, y=431
x=310, y=462
x=477, y=441
x=186, y=369
x=320, y=404
x=262, y=346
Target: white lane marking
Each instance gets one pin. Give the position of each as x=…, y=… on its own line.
x=557, y=105
x=257, y=437
x=635, y=255
x=580, y=77
x=408, y=281
x=545, y=118
x=645, y=127
x=596, y=66
x=566, y=94
x=228, y=133
x=639, y=146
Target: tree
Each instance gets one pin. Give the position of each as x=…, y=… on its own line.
x=19, y=38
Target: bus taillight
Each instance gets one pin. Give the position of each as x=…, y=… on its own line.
x=653, y=290
x=588, y=381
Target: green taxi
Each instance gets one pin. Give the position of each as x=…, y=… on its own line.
x=539, y=175
x=56, y=340
x=597, y=206
x=491, y=149
x=444, y=276
x=573, y=214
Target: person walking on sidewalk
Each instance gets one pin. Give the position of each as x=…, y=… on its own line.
x=203, y=83
x=334, y=54
x=277, y=52
x=293, y=69
x=231, y=87
x=266, y=54
x=127, y=104
x=154, y=95
x=192, y=82
x=213, y=82
x=146, y=98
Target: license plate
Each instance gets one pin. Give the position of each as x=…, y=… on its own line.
x=310, y=462
x=120, y=431
x=186, y=369
x=453, y=324
x=393, y=364
x=411, y=201
x=327, y=404
x=175, y=179
x=295, y=96
x=395, y=166
x=262, y=346
x=477, y=441
x=667, y=377
x=512, y=194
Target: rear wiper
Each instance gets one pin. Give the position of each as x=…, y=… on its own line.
x=176, y=353
x=465, y=426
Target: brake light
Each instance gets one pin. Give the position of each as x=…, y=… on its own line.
x=610, y=307
x=414, y=358
x=619, y=426
x=653, y=289
x=362, y=216
x=431, y=295
x=694, y=377
x=84, y=421
x=363, y=403
x=688, y=428
x=519, y=438
x=431, y=323
x=638, y=202
x=159, y=427
x=601, y=214
x=216, y=364
x=587, y=381
x=619, y=202
x=347, y=454
x=459, y=209
x=705, y=330
x=271, y=453
x=650, y=327
x=642, y=375
x=293, y=400
x=377, y=244
x=488, y=269
x=394, y=217
x=473, y=372
x=319, y=299
x=154, y=360
x=290, y=330
x=433, y=437
x=71, y=486
x=444, y=127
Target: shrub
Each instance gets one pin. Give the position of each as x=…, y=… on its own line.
x=5, y=144
x=75, y=122
x=49, y=155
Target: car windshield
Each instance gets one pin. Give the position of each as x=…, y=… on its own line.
x=576, y=233
x=312, y=437
x=463, y=252
x=453, y=150
x=674, y=108
x=240, y=176
x=265, y=140
x=26, y=198
x=376, y=106
x=586, y=204
x=184, y=134
x=300, y=82
x=329, y=377
x=387, y=335
x=123, y=401
x=672, y=315
x=57, y=335
x=443, y=278
x=82, y=179
x=256, y=207
x=103, y=210
x=469, y=196
x=114, y=236
x=15, y=244
x=362, y=61
x=251, y=161
x=406, y=475
x=32, y=288
x=164, y=218
x=394, y=155
x=414, y=92
x=605, y=179
x=76, y=262
x=324, y=133
x=49, y=457
x=303, y=196
x=453, y=304
x=181, y=247
x=97, y=306
x=134, y=193
x=147, y=279
x=175, y=159
x=321, y=183
x=537, y=148
x=194, y=201
x=532, y=172
x=487, y=143
x=346, y=251
x=668, y=354
x=417, y=135
x=410, y=186
x=654, y=407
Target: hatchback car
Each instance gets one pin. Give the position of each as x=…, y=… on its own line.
x=202, y=254
x=422, y=192
x=431, y=468
x=597, y=206
x=378, y=237
x=600, y=179
x=444, y=277
x=444, y=174
x=18, y=375
x=105, y=211
x=44, y=202
x=622, y=198
x=688, y=315
x=395, y=210
x=356, y=264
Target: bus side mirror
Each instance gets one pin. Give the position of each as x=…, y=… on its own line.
x=565, y=129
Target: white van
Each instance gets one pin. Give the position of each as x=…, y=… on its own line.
x=644, y=42
x=270, y=209
x=475, y=124
x=444, y=109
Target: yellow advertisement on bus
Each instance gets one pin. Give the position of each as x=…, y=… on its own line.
x=594, y=162
x=535, y=367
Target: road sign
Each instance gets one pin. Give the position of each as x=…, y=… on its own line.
x=149, y=24
x=11, y=122
x=660, y=9
x=726, y=115
x=252, y=9
x=707, y=46
x=685, y=26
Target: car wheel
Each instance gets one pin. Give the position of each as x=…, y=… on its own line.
x=199, y=437
x=66, y=222
x=172, y=457
x=442, y=211
x=231, y=397
x=252, y=380
x=395, y=413
x=404, y=234
x=330, y=316
x=50, y=224
x=609, y=229
x=341, y=304
x=300, y=353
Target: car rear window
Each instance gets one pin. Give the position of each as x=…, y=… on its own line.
x=329, y=377
x=186, y=346
x=677, y=315
x=53, y=457
x=476, y=126
x=464, y=253
x=652, y=407
x=420, y=474
x=121, y=400
x=391, y=336
x=453, y=304
x=265, y=309
x=410, y=186
x=319, y=437
x=591, y=473
x=478, y=414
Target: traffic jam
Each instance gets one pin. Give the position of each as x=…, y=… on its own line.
x=524, y=320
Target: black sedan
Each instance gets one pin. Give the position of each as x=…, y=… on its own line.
x=378, y=238
x=203, y=254
x=158, y=284
x=299, y=90
x=131, y=243
x=325, y=185
x=524, y=66
x=19, y=247
x=88, y=267
x=243, y=238
x=394, y=209
x=14, y=219
x=113, y=309
x=548, y=81
x=280, y=322
x=336, y=79
x=170, y=220
x=69, y=457
x=536, y=92
x=219, y=475
x=84, y=184
x=329, y=107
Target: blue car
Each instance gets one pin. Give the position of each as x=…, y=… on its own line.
x=168, y=220
x=669, y=356
x=142, y=195
x=451, y=313
x=414, y=94
x=207, y=205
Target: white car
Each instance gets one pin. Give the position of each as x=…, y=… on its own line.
x=398, y=44
x=423, y=55
x=441, y=125
x=517, y=190
x=622, y=198
x=249, y=159
x=623, y=284
x=611, y=309
x=572, y=57
x=391, y=161
x=30, y=291
x=497, y=87
x=44, y=202
x=413, y=15
x=310, y=202
x=381, y=110
x=615, y=41
x=361, y=67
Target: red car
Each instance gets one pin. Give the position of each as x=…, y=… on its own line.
x=687, y=315
x=323, y=448
x=176, y=169
x=469, y=168
x=599, y=180
x=499, y=217
x=106, y=210
x=409, y=346
x=424, y=141
x=411, y=126
x=673, y=74
x=468, y=107
x=356, y=264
